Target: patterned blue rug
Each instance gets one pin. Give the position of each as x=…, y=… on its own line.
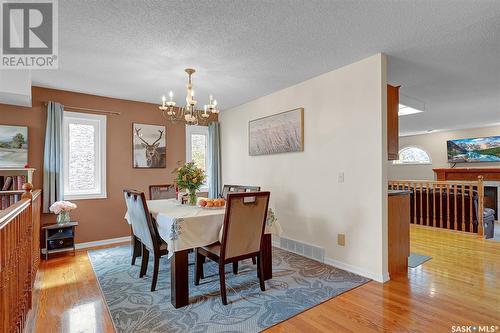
x=298, y=283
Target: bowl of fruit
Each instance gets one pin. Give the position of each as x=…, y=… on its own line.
x=212, y=203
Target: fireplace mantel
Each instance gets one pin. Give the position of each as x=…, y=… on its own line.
x=467, y=174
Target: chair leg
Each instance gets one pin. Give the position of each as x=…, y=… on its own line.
x=235, y=267
x=155, y=272
x=198, y=267
x=202, y=261
x=253, y=260
x=222, y=278
x=136, y=249
x=144, y=263
x=260, y=272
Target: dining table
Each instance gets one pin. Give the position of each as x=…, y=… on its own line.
x=185, y=227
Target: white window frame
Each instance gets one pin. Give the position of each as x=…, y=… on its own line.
x=413, y=163
x=99, y=121
x=202, y=130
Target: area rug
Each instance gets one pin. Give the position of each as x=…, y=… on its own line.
x=298, y=283
x=415, y=259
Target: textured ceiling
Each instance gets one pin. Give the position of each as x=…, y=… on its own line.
x=444, y=53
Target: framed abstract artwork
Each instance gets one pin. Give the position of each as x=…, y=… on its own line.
x=278, y=133
x=149, y=146
x=13, y=146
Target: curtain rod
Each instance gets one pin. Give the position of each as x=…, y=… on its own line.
x=76, y=108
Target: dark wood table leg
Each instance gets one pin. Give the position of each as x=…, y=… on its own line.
x=179, y=286
x=267, y=257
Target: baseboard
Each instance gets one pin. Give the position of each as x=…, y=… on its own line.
x=96, y=243
x=103, y=242
x=346, y=267
x=382, y=278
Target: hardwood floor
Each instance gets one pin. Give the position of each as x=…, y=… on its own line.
x=459, y=286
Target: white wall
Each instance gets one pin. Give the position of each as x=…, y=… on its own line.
x=345, y=131
x=435, y=145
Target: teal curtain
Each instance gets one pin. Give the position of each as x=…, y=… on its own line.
x=52, y=157
x=214, y=179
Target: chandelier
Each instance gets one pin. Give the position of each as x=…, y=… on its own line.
x=188, y=113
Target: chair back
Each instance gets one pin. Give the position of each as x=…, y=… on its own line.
x=157, y=192
x=139, y=217
x=244, y=223
x=238, y=189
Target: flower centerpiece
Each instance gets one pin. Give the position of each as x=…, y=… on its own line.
x=62, y=209
x=190, y=178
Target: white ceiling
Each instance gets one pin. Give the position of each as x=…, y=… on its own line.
x=444, y=53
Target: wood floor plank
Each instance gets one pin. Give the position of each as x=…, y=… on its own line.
x=460, y=285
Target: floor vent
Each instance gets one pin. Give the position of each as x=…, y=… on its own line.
x=306, y=250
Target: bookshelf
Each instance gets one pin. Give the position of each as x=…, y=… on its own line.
x=27, y=172
x=11, y=184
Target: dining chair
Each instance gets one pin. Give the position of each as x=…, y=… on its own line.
x=238, y=189
x=244, y=224
x=166, y=191
x=145, y=230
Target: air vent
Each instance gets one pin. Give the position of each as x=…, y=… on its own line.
x=306, y=250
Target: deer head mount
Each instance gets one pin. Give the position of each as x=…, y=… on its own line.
x=151, y=151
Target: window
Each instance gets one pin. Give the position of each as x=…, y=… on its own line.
x=413, y=155
x=84, y=156
x=197, y=148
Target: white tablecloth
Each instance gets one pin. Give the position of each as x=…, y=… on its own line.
x=185, y=227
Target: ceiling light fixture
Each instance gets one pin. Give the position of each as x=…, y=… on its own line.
x=407, y=110
x=188, y=113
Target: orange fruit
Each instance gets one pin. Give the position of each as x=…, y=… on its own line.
x=210, y=203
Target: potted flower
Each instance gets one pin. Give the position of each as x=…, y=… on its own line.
x=189, y=177
x=62, y=209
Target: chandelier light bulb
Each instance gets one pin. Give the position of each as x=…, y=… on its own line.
x=171, y=94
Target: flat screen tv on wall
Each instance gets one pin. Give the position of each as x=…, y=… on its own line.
x=485, y=149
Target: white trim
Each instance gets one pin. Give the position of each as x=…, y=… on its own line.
x=98, y=121
x=103, y=242
x=95, y=244
x=358, y=270
x=347, y=267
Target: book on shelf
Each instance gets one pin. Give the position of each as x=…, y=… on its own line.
x=12, y=183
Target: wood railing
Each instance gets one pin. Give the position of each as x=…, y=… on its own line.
x=19, y=260
x=454, y=205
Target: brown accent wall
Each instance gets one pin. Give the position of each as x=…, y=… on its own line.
x=100, y=218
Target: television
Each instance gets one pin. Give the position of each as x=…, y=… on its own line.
x=485, y=149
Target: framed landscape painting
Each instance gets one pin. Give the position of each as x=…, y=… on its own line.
x=279, y=133
x=149, y=146
x=13, y=146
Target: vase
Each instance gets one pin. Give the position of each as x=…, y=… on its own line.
x=63, y=217
x=192, y=197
